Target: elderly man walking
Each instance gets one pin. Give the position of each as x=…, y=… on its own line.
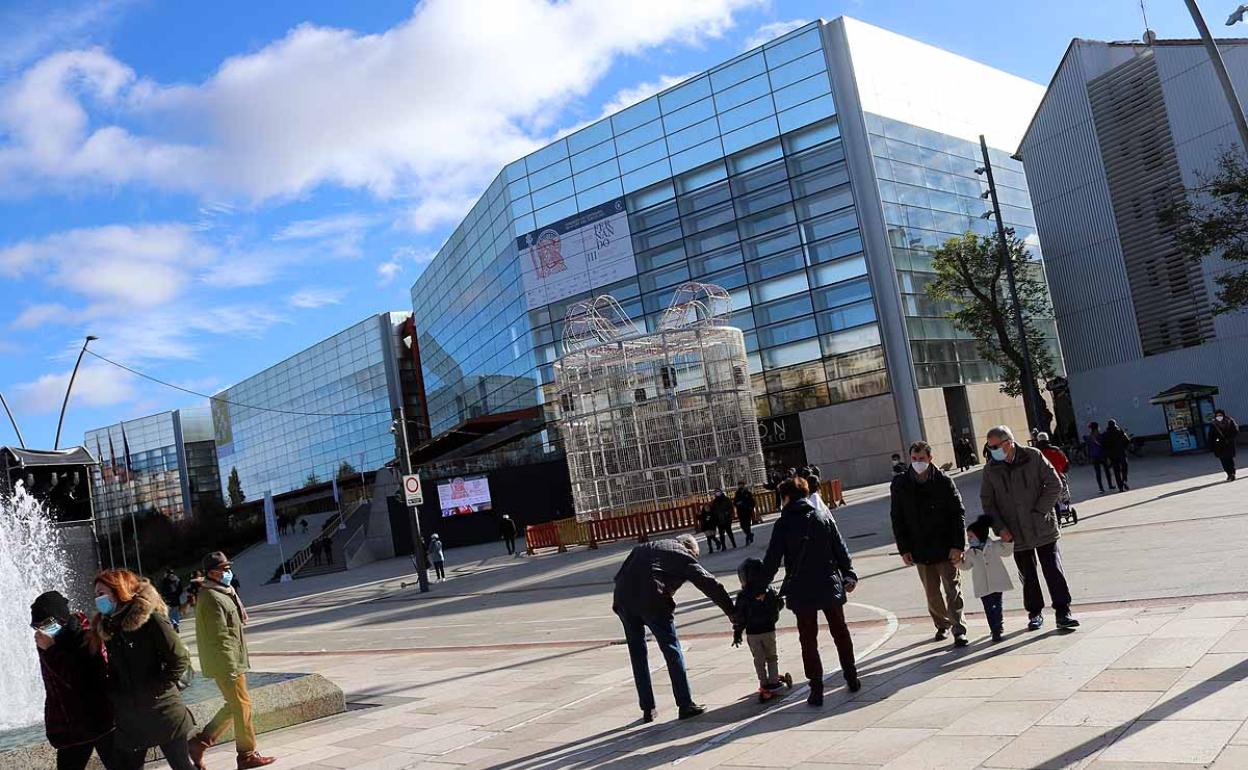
x=1018, y=490
x=219, y=619
x=929, y=525
x=644, y=587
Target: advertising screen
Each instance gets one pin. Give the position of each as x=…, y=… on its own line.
x=466, y=494
x=577, y=254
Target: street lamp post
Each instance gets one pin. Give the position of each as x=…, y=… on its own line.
x=70, y=388
x=418, y=542
x=16, y=429
x=1027, y=377
x=1219, y=67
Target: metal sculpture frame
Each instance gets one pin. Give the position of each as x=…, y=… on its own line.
x=654, y=420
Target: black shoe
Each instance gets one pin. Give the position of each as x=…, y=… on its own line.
x=1035, y=622
x=960, y=641
x=853, y=685
x=997, y=635
x=689, y=712
x=816, y=696
x=1067, y=621
x=647, y=715
x=941, y=634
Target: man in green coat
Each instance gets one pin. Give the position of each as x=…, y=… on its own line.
x=219, y=619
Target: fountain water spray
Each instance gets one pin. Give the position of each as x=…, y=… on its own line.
x=32, y=560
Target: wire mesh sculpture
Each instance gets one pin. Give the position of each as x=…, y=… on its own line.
x=654, y=420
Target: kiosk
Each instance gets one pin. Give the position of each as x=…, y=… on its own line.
x=1189, y=411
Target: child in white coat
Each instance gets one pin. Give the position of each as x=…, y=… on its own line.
x=985, y=558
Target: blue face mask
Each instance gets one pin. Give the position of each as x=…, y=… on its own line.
x=973, y=541
x=51, y=629
x=227, y=577
x=105, y=604
x=997, y=453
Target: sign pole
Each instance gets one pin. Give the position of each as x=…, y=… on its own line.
x=418, y=543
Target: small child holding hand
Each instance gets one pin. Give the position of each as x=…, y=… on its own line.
x=985, y=558
x=757, y=612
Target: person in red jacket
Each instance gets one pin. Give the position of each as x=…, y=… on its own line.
x=1056, y=457
x=77, y=715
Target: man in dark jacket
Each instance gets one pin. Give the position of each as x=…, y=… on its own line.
x=1094, y=445
x=171, y=591
x=743, y=501
x=1116, y=442
x=77, y=715
x=1018, y=490
x=644, y=589
x=1222, y=435
x=507, y=528
x=721, y=509
x=929, y=525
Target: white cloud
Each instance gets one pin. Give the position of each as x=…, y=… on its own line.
x=314, y=297
x=400, y=260
x=627, y=97
x=342, y=233
x=769, y=32
x=28, y=30
x=421, y=110
x=34, y=316
x=98, y=384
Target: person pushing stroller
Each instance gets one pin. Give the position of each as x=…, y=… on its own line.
x=755, y=614
x=1064, y=509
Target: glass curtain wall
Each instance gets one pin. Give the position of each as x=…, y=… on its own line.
x=931, y=193
x=734, y=177
x=149, y=480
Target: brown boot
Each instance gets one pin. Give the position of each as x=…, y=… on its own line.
x=252, y=759
x=198, y=745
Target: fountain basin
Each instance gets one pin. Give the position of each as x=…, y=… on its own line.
x=278, y=700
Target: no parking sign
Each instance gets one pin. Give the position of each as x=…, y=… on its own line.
x=413, y=491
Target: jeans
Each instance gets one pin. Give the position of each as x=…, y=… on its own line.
x=766, y=661
x=440, y=569
x=77, y=757
x=175, y=614
x=664, y=630
x=808, y=636
x=946, y=611
x=992, y=608
x=1098, y=465
x=237, y=709
x=1051, y=565
x=1119, y=464
x=511, y=543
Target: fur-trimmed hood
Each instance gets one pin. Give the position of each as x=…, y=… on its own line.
x=132, y=616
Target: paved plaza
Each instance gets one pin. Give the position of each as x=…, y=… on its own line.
x=519, y=662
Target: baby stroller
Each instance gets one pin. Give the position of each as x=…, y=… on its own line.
x=1066, y=513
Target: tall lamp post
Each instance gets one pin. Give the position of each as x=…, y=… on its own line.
x=399, y=426
x=70, y=388
x=16, y=429
x=1027, y=377
x=1219, y=66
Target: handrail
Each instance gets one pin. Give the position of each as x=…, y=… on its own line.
x=304, y=555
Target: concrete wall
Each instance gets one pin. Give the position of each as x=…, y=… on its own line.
x=990, y=408
x=852, y=441
x=936, y=424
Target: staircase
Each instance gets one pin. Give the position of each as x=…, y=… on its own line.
x=304, y=564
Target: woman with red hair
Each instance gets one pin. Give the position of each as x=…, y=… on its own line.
x=148, y=667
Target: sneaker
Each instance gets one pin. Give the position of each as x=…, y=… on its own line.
x=647, y=715
x=941, y=635
x=689, y=712
x=1035, y=622
x=960, y=641
x=253, y=759
x=765, y=694
x=1067, y=621
x=788, y=680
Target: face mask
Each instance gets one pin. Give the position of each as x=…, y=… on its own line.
x=997, y=453
x=1218, y=417
x=51, y=629
x=919, y=466
x=105, y=604
x=227, y=577
x=973, y=541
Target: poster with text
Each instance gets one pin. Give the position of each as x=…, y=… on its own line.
x=463, y=495
x=583, y=252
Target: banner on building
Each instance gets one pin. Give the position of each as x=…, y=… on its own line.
x=582, y=252
x=270, y=519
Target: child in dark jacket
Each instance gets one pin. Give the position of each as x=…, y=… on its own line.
x=757, y=610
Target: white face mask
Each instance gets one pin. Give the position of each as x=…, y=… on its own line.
x=919, y=466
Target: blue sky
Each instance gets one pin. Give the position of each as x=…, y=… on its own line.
x=210, y=187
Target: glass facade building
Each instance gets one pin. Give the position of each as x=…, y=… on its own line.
x=329, y=404
x=812, y=194
x=164, y=463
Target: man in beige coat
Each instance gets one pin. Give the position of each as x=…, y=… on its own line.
x=1018, y=490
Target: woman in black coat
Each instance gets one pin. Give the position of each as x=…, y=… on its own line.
x=1222, y=433
x=148, y=667
x=818, y=573
x=77, y=716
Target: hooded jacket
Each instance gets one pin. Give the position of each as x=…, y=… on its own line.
x=148, y=665
x=1020, y=495
x=219, y=619
x=816, y=561
x=929, y=518
x=76, y=710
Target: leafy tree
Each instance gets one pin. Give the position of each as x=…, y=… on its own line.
x=346, y=470
x=312, y=480
x=970, y=275
x=235, y=489
x=1213, y=218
